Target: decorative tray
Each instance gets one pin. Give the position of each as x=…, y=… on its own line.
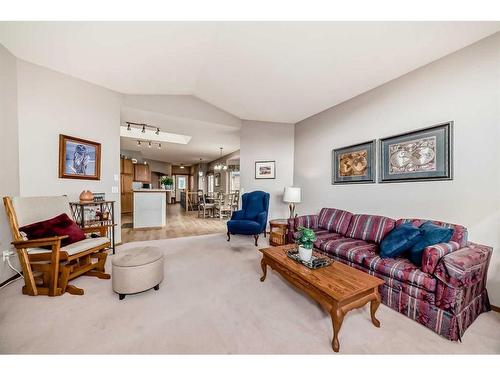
x=315, y=262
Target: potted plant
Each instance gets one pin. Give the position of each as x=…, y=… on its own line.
x=166, y=182
x=305, y=240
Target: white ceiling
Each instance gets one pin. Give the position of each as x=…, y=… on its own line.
x=269, y=71
x=205, y=142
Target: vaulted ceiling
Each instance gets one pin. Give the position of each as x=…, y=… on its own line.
x=269, y=71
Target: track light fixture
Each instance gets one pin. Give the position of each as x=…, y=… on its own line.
x=149, y=144
x=159, y=145
x=144, y=128
x=128, y=127
x=157, y=132
x=138, y=143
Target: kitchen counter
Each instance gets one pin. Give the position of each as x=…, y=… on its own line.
x=150, y=208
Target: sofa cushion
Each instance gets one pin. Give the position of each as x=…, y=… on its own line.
x=60, y=225
x=334, y=220
x=401, y=269
x=398, y=240
x=432, y=234
x=323, y=236
x=459, y=231
x=349, y=249
x=308, y=221
x=370, y=227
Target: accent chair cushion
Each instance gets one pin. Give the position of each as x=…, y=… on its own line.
x=334, y=220
x=432, y=234
x=76, y=247
x=398, y=240
x=370, y=227
x=60, y=225
x=243, y=227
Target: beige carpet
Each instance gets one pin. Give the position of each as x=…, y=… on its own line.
x=212, y=302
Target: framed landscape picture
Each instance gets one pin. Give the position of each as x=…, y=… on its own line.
x=79, y=158
x=420, y=155
x=265, y=170
x=354, y=164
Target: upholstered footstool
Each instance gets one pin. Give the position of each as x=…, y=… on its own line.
x=137, y=270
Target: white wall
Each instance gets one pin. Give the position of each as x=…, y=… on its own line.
x=9, y=154
x=463, y=87
x=49, y=104
x=267, y=141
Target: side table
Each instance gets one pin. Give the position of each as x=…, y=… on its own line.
x=278, y=229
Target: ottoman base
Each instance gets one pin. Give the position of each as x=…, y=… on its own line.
x=123, y=295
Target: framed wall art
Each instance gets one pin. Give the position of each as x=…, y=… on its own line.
x=265, y=170
x=79, y=158
x=420, y=155
x=354, y=164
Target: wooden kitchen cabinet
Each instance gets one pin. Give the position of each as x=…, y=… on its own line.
x=127, y=205
x=142, y=173
x=127, y=167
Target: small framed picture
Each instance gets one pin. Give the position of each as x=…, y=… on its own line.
x=265, y=170
x=420, y=155
x=79, y=158
x=354, y=164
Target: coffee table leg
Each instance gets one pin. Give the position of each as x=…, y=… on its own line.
x=374, y=304
x=264, y=269
x=337, y=319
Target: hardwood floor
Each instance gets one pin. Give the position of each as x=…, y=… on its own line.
x=179, y=224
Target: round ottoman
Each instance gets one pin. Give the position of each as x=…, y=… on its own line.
x=137, y=270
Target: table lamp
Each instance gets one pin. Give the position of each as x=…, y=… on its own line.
x=291, y=195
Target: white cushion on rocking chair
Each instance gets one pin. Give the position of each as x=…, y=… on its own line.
x=76, y=247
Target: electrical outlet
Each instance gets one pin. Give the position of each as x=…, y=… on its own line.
x=6, y=254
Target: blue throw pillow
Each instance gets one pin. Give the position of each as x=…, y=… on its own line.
x=398, y=240
x=432, y=235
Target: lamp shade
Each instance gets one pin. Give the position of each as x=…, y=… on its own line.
x=291, y=194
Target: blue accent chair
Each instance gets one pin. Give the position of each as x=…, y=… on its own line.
x=252, y=218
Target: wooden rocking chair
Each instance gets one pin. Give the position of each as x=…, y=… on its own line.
x=48, y=271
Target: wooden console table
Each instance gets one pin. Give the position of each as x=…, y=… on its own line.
x=338, y=288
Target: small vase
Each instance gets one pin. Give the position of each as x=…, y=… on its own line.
x=86, y=196
x=305, y=254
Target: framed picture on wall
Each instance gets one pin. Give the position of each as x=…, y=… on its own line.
x=265, y=170
x=217, y=180
x=354, y=164
x=420, y=155
x=79, y=158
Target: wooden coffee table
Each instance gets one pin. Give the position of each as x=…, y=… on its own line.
x=338, y=287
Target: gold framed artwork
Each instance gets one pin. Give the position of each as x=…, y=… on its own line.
x=79, y=158
x=354, y=164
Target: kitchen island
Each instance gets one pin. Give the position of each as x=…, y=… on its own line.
x=150, y=208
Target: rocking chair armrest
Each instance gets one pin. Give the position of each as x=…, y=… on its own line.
x=47, y=241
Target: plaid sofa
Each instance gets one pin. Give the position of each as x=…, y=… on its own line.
x=446, y=294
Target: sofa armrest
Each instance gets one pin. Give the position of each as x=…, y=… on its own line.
x=433, y=254
x=237, y=215
x=464, y=267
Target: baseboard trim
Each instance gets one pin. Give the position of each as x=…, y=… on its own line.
x=16, y=276
x=495, y=308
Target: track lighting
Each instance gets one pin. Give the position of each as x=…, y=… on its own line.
x=144, y=128
x=149, y=144
x=128, y=127
x=157, y=132
x=159, y=145
x=138, y=143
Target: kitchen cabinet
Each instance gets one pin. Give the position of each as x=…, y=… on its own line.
x=142, y=173
x=127, y=167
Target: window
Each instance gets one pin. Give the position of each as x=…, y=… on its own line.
x=181, y=182
x=234, y=181
x=201, y=183
x=210, y=183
